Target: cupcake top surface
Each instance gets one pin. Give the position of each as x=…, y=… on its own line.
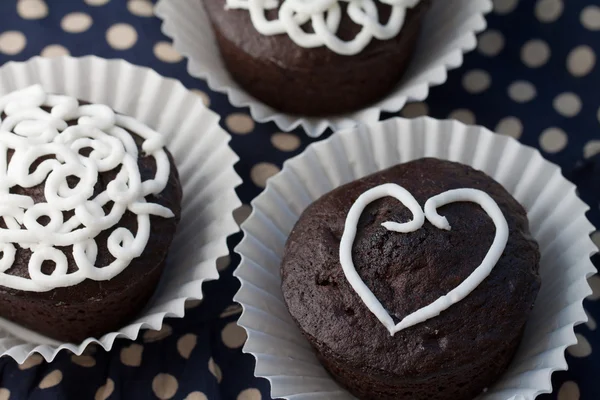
x=83, y=192
x=235, y=19
x=408, y=271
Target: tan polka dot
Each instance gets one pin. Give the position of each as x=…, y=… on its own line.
x=414, y=110
x=490, y=43
x=31, y=361
x=132, y=355
x=250, y=394
x=83, y=361
x=476, y=81
x=521, y=91
x=285, y=141
x=594, y=282
x=32, y=9
x=535, y=53
x=582, y=348
x=261, y=172
x=105, y=390
x=590, y=18
x=90, y=349
x=121, y=36
x=463, y=115
x=205, y=98
x=567, y=104
x=548, y=10
x=76, y=22
x=164, y=386
x=96, y=3
x=192, y=303
x=51, y=380
x=186, y=344
x=141, y=8
x=510, y=126
x=591, y=148
x=196, y=396
x=4, y=394
x=553, y=140
x=54, y=50
x=154, y=336
x=223, y=263
x=231, y=310
x=12, y=42
x=242, y=213
x=581, y=61
x=215, y=369
x=568, y=391
x=591, y=322
x=233, y=335
x=239, y=123
x=164, y=51
x=504, y=6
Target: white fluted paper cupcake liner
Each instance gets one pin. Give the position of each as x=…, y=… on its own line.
x=557, y=219
x=204, y=161
x=448, y=32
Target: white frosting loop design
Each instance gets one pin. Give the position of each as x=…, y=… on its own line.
x=99, y=142
x=325, y=17
x=452, y=196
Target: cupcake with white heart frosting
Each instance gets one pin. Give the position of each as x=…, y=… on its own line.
x=413, y=283
x=414, y=259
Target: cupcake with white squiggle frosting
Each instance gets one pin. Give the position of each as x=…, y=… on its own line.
x=317, y=58
x=90, y=203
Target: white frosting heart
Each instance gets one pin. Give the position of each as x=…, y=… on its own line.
x=431, y=205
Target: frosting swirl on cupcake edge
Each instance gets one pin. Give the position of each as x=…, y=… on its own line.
x=325, y=17
x=430, y=213
x=35, y=135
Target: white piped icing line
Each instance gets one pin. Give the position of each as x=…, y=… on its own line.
x=34, y=134
x=325, y=17
x=452, y=196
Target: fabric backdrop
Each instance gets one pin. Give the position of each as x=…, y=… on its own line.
x=534, y=76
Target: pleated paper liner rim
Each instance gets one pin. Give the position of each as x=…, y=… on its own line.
x=186, y=24
x=350, y=154
x=181, y=116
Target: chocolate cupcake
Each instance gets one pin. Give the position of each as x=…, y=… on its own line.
x=319, y=59
x=91, y=202
x=413, y=283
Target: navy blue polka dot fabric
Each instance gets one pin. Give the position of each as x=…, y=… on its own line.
x=534, y=76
